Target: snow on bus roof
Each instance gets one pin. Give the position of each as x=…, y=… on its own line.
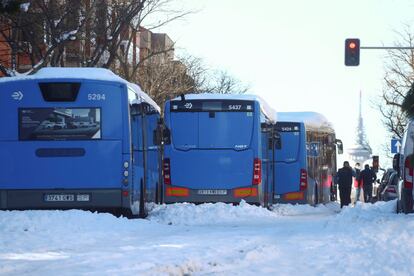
x=143, y=97
x=267, y=110
x=88, y=73
x=82, y=73
x=309, y=118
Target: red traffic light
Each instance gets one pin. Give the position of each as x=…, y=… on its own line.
x=352, y=45
x=352, y=52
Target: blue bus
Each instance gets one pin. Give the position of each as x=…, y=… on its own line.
x=217, y=149
x=305, y=165
x=76, y=138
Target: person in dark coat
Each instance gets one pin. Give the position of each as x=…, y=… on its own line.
x=367, y=177
x=344, y=179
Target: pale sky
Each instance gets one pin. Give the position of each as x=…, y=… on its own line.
x=292, y=53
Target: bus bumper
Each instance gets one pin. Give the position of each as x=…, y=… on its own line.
x=174, y=194
x=293, y=198
x=61, y=199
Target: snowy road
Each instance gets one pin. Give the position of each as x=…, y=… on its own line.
x=210, y=239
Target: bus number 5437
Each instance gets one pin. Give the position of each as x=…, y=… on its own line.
x=235, y=107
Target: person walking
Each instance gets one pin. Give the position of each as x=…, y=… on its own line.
x=357, y=186
x=344, y=179
x=367, y=178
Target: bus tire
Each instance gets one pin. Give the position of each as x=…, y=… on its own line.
x=398, y=206
x=142, y=213
x=316, y=197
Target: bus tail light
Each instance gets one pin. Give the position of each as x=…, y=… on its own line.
x=303, y=179
x=178, y=191
x=166, y=169
x=391, y=190
x=408, y=173
x=245, y=192
x=257, y=171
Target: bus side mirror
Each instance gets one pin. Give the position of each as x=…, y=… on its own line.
x=266, y=128
x=340, y=146
x=157, y=137
x=278, y=140
x=158, y=133
x=134, y=109
x=396, y=162
x=166, y=136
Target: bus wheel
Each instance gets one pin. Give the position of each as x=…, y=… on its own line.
x=142, y=212
x=398, y=206
x=316, y=197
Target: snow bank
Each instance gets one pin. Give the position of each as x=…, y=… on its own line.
x=208, y=214
x=364, y=212
x=221, y=213
x=211, y=239
x=298, y=210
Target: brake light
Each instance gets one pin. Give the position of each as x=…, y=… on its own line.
x=257, y=171
x=178, y=191
x=391, y=190
x=166, y=169
x=303, y=179
x=408, y=173
x=245, y=192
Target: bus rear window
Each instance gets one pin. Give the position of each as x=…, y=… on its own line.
x=212, y=124
x=212, y=105
x=59, y=124
x=59, y=91
x=291, y=138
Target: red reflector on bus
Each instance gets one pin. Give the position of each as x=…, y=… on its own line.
x=177, y=191
x=294, y=196
x=125, y=193
x=257, y=171
x=245, y=192
x=303, y=179
x=166, y=170
x=408, y=173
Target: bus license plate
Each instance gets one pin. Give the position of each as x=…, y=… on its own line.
x=212, y=192
x=54, y=197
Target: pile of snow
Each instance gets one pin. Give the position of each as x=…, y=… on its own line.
x=363, y=212
x=208, y=214
x=211, y=239
x=298, y=210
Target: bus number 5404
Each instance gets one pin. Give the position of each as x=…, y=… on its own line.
x=96, y=97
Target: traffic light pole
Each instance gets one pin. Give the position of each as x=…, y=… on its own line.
x=386, y=48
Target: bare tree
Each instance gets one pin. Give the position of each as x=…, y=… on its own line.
x=154, y=14
x=398, y=80
x=82, y=32
x=185, y=75
x=223, y=83
x=39, y=32
x=166, y=80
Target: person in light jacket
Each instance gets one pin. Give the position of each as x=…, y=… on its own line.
x=357, y=185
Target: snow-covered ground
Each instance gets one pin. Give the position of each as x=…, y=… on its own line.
x=211, y=239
